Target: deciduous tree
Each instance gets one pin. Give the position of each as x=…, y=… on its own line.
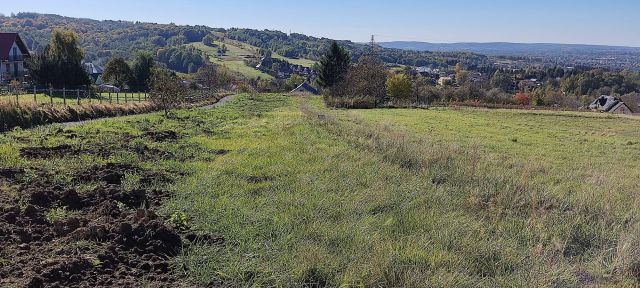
x=399, y=87
x=118, y=72
x=167, y=91
x=142, y=70
x=60, y=63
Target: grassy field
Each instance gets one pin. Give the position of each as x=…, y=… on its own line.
x=237, y=51
x=234, y=59
x=386, y=198
x=71, y=98
x=302, y=62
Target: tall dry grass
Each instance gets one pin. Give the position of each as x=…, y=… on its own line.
x=550, y=239
x=30, y=115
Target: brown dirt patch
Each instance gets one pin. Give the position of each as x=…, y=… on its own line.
x=161, y=136
x=109, y=237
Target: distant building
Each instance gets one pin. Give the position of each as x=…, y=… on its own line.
x=445, y=81
x=610, y=104
x=93, y=70
x=13, y=53
x=305, y=88
x=529, y=84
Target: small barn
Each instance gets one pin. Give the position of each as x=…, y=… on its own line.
x=305, y=88
x=610, y=104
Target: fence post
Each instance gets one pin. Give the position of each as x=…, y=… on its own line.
x=110, y=99
x=139, y=100
x=51, y=95
x=64, y=95
x=117, y=97
x=35, y=99
x=125, y=96
x=17, y=98
x=78, y=95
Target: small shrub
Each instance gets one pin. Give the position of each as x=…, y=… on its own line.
x=57, y=214
x=179, y=220
x=522, y=99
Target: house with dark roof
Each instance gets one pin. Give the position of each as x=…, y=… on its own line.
x=305, y=88
x=610, y=104
x=13, y=53
x=93, y=70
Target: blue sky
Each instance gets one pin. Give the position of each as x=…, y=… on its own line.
x=610, y=22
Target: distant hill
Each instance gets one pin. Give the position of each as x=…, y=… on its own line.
x=102, y=40
x=105, y=39
x=615, y=57
x=506, y=48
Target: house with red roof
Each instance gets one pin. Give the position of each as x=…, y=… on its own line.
x=13, y=53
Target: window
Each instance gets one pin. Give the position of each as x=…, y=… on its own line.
x=15, y=51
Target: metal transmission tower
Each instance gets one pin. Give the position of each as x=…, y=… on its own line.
x=374, y=47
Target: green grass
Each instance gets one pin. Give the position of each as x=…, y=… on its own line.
x=71, y=98
x=233, y=59
x=301, y=61
x=389, y=198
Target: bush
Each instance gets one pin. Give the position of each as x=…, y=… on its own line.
x=399, y=87
x=522, y=99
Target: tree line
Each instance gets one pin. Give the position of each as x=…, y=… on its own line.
x=369, y=83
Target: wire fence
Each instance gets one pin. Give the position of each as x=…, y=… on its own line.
x=69, y=96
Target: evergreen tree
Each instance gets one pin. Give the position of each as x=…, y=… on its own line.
x=334, y=66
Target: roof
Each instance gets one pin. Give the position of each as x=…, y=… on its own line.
x=606, y=103
x=93, y=69
x=632, y=101
x=306, y=87
x=6, y=42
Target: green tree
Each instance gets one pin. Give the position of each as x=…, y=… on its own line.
x=118, y=72
x=293, y=82
x=60, y=63
x=141, y=72
x=399, y=87
x=167, y=91
x=334, y=66
x=275, y=68
x=462, y=76
x=502, y=81
x=209, y=40
x=368, y=79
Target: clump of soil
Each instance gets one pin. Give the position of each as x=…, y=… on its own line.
x=161, y=136
x=106, y=237
x=47, y=152
x=10, y=174
x=105, y=151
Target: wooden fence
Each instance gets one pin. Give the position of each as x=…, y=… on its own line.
x=82, y=96
x=69, y=96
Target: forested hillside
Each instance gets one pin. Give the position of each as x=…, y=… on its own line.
x=105, y=39
x=102, y=40
x=302, y=46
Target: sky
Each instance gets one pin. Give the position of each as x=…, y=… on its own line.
x=607, y=22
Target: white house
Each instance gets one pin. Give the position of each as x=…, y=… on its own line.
x=13, y=53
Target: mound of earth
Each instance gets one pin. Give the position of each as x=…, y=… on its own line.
x=161, y=136
x=106, y=237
